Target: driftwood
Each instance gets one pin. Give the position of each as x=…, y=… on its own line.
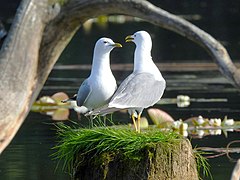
x=42, y=29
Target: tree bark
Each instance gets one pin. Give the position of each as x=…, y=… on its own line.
x=42, y=29
x=19, y=62
x=176, y=163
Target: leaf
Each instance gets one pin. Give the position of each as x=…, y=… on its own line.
x=143, y=123
x=58, y=97
x=158, y=116
x=61, y=114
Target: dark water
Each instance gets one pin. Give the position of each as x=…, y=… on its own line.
x=29, y=154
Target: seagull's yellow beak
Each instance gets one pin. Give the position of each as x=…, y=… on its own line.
x=117, y=45
x=129, y=38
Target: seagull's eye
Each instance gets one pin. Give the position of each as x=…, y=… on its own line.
x=134, y=35
x=105, y=42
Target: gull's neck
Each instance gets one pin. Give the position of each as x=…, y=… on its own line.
x=101, y=64
x=143, y=60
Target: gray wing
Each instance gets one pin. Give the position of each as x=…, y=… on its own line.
x=138, y=90
x=102, y=111
x=83, y=92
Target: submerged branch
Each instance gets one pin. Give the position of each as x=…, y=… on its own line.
x=220, y=150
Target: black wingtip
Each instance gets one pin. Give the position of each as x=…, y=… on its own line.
x=74, y=98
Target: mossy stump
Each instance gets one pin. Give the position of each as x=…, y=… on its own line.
x=157, y=163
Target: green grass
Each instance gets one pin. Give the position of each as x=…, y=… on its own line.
x=92, y=142
x=203, y=167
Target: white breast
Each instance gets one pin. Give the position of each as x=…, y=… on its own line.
x=102, y=90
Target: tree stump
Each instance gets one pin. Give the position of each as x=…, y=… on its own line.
x=175, y=163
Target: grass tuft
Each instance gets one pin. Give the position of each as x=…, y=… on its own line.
x=90, y=143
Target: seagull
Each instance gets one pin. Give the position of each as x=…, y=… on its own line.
x=98, y=88
x=142, y=88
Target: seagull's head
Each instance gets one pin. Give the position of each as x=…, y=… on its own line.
x=106, y=44
x=140, y=38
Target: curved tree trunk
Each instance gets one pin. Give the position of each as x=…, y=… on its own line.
x=19, y=58
x=42, y=29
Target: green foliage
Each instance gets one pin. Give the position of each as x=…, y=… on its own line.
x=203, y=167
x=84, y=143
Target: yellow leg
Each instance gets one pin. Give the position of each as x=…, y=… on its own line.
x=138, y=121
x=134, y=122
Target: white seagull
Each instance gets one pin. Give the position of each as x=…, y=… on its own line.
x=141, y=89
x=98, y=88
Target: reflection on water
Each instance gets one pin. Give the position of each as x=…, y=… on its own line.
x=28, y=155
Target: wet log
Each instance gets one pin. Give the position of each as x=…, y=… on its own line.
x=42, y=29
x=176, y=163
